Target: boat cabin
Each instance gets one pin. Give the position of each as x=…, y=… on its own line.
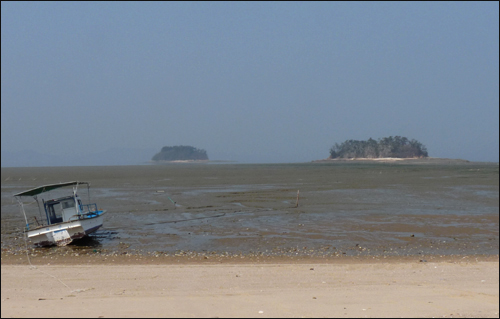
x=63, y=209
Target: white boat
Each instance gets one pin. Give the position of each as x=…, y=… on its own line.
x=66, y=218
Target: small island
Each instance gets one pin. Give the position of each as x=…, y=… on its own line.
x=387, y=147
x=180, y=153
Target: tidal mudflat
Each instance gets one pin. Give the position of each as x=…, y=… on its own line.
x=344, y=209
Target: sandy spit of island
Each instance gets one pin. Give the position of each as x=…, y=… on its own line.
x=399, y=160
x=451, y=287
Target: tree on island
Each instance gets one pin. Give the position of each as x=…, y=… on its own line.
x=179, y=153
x=385, y=147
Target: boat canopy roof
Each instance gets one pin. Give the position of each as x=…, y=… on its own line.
x=47, y=188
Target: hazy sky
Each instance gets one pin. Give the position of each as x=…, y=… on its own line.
x=251, y=82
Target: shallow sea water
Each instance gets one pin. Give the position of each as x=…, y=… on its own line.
x=343, y=208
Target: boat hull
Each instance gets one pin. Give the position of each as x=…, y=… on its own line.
x=64, y=233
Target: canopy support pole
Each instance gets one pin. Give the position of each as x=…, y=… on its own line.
x=39, y=210
x=24, y=213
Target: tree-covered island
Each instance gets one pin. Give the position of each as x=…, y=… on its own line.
x=180, y=153
x=395, y=147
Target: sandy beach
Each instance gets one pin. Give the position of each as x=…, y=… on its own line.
x=148, y=287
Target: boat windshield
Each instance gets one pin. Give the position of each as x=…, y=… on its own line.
x=55, y=212
x=68, y=203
